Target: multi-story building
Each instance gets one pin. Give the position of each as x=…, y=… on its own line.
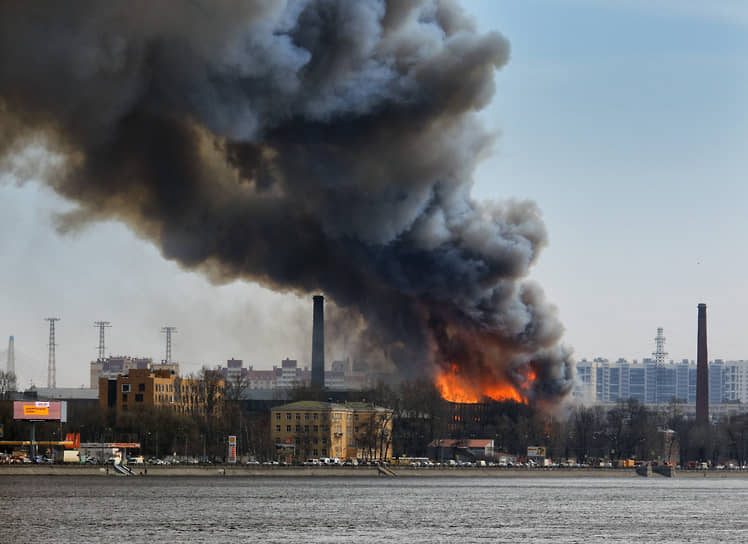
x=261, y=379
x=602, y=381
x=111, y=367
x=290, y=374
x=342, y=375
x=735, y=378
x=311, y=429
x=335, y=377
x=234, y=372
x=141, y=388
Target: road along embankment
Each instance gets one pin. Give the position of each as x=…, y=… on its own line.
x=347, y=472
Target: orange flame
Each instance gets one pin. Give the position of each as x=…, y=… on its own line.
x=456, y=387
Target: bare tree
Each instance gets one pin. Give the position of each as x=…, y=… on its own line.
x=7, y=384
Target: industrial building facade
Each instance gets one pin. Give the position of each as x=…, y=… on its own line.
x=162, y=388
x=310, y=430
x=111, y=367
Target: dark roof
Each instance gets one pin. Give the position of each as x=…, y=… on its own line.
x=464, y=443
x=324, y=406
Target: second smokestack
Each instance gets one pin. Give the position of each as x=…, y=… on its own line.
x=702, y=370
x=318, y=343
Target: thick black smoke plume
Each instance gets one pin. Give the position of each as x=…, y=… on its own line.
x=310, y=145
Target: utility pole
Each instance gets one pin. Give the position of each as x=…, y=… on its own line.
x=101, y=325
x=51, y=364
x=168, y=331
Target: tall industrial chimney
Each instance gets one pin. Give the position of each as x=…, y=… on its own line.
x=11, y=355
x=318, y=343
x=702, y=370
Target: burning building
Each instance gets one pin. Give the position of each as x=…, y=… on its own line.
x=312, y=146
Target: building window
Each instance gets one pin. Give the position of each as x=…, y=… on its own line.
x=324, y=440
x=355, y=429
x=297, y=429
x=138, y=397
x=288, y=428
x=277, y=428
x=324, y=452
x=277, y=416
x=288, y=416
x=125, y=387
x=315, y=416
x=306, y=428
x=314, y=452
x=315, y=440
x=306, y=417
x=298, y=417
x=316, y=428
x=141, y=387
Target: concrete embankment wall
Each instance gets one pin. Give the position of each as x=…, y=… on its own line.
x=343, y=472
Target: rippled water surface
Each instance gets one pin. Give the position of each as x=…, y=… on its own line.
x=366, y=510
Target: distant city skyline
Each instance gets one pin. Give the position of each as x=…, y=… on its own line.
x=625, y=121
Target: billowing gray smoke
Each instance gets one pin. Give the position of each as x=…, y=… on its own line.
x=311, y=145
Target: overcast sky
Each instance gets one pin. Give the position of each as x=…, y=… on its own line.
x=627, y=122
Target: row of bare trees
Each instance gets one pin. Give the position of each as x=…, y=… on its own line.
x=419, y=415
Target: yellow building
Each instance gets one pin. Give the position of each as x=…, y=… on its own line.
x=311, y=430
x=143, y=388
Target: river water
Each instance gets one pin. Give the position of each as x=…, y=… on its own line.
x=372, y=510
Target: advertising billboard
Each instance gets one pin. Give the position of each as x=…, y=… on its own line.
x=40, y=411
x=535, y=451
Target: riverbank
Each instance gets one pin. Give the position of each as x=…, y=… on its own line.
x=348, y=472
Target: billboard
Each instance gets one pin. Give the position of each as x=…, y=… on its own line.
x=535, y=451
x=40, y=411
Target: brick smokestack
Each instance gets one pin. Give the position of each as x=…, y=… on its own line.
x=318, y=343
x=702, y=370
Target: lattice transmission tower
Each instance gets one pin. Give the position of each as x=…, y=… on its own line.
x=168, y=331
x=52, y=364
x=101, y=325
x=659, y=353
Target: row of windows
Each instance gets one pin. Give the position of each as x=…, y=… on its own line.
x=337, y=416
x=289, y=416
x=126, y=387
x=138, y=397
x=297, y=428
x=316, y=428
x=306, y=439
